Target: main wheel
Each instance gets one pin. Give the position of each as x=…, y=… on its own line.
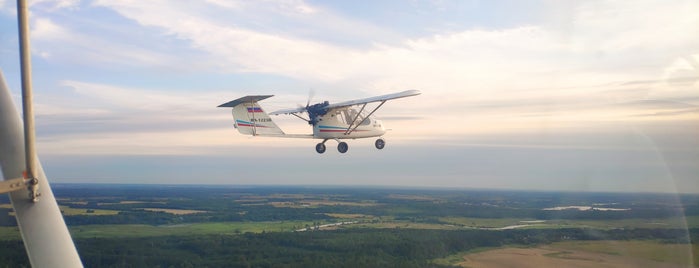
x=380, y=143
x=342, y=147
x=320, y=148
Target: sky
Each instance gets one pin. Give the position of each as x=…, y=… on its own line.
x=526, y=95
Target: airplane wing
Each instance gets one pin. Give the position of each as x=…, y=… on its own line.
x=381, y=98
x=386, y=97
x=289, y=111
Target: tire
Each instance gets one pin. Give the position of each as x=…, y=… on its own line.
x=380, y=143
x=320, y=148
x=342, y=147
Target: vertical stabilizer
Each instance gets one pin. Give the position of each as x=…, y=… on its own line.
x=250, y=118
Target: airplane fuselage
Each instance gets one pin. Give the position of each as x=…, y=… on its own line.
x=336, y=125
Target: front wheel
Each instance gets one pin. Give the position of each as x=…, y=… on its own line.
x=380, y=143
x=320, y=148
x=342, y=147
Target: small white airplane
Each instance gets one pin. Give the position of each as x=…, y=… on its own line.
x=330, y=121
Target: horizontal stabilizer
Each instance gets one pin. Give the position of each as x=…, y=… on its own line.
x=246, y=99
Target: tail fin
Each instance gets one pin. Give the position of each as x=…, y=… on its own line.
x=249, y=117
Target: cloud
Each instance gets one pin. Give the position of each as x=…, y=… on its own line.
x=237, y=49
x=92, y=118
x=57, y=42
x=648, y=25
x=531, y=69
x=605, y=43
x=295, y=39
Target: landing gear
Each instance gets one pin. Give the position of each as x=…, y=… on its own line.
x=320, y=147
x=380, y=143
x=342, y=147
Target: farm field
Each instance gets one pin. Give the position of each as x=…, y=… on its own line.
x=581, y=254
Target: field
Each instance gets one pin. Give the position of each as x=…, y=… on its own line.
x=581, y=254
x=310, y=203
x=70, y=211
x=175, y=211
x=222, y=228
x=673, y=222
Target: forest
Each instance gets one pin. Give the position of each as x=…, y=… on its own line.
x=337, y=248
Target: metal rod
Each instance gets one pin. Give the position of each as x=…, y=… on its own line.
x=27, y=100
x=304, y=119
x=372, y=112
x=27, y=110
x=11, y=185
x=355, y=119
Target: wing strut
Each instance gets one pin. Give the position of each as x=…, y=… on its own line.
x=367, y=116
x=30, y=179
x=28, y=112
x=355, y=120
x=304, y=119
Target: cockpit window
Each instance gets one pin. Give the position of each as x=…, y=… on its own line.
x=350, y=114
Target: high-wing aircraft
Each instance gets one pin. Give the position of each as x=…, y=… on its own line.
x=330, y=121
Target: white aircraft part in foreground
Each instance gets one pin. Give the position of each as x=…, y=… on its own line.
x=330, y=121
x=44, y=232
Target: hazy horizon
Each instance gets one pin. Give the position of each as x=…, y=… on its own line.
x=353, y=187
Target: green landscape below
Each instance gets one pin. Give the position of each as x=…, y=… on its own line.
x=245, y=226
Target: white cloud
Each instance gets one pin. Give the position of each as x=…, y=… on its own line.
x=646, y=25
x=57, y=43
x=142, y=99
x=5, y=7
x=229, y=4
x=46, y=29
x=604, y=34
x=55, y=4
x=106, y=119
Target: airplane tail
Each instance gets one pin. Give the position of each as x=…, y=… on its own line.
x=249, y=117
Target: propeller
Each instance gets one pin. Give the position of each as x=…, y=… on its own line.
x=311, y=94
x=315, y=110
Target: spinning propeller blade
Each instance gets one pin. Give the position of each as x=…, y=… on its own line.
x=311, y=94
